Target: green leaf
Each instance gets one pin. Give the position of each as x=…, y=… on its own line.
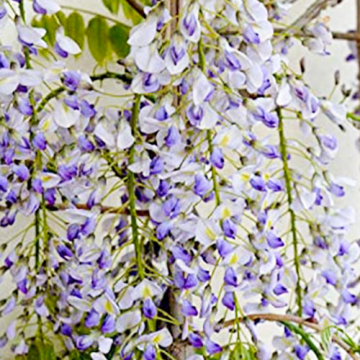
x=40, y=350
x=75, y=29
x=112, y=5
x=130, y=13
x=50, y=24
x=118, y=36
x=98, y=41
x=76, y=355
x=326, y=337
x=306, y=337
x=61, y=18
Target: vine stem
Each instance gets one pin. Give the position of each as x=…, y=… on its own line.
x=139, y=8
x=131, y=189
x=202, y=65
x=296, y=320
x=287, y=177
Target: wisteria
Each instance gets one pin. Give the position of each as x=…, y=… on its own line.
x=198, y=207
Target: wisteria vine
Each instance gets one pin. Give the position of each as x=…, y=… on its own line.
x=194, y=210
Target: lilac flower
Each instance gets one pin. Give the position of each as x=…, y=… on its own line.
x=92, y=319
x=44, y=7
x=301, y=351
x=229, y=301
x=202, y=185
x=196, y=341
x=212, y=348
x=273, y=240
x=149, y=309
x=188, y=309
x=230, y=277
x=22, y=172
x=229, y=228
x=108, y=325
x=72, y=80
x=217, y=158
x=150, y=352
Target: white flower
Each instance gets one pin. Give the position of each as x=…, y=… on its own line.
x=128, y=321
x=64, y=116
x=32, y=35
x=125, y=138
x=144, y=33
x=50, y=6
x=67, y=44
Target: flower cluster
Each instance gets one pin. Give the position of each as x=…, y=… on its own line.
x=171, y=217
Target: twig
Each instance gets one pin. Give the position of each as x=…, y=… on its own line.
x=289, y=186
x=137, y=7
x=297, y=320
x=103, y=209
x=310, y=13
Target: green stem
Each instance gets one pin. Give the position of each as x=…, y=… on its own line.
x=287, y=176
x=213, y=171
x=202, y=65
x=131, y=190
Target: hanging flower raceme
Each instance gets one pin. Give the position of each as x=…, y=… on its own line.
x=183, y=212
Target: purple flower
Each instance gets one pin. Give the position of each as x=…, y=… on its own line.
x=188, y=309
x=64, y=252
x=22, y=172
x=212, y=348
x=269, y=119
x=258, y=183
x=73, y=232
x=203, y=275
x=72, y=80
x=330, y=277
x=280, y=289
x=85, y=144
x=250, y=36
x=66, y=330
x=230, y=277
x=156, y=166
x=3, y=183
x=161, y=114
x=173, y=137
x=163, y=230
x=196, y=341
x=229, y=301
x=83, y=342
x=171, y=207
x=301, y=351
x=163, y=188
x=190, y=282
x=224, y=247
x=25, y=107
x=202, y=185
x=108, y=325
x=195, y=114
x=229, y=228
x=273, y=241
x=217, y=158
x=348, y=297
x=37, y=186
x=39, y=141
x=149, y=308
x=150, y=352
x=150, y=83
x=190, y=24
x=92, y=319
x=231, y=61
x=275, y=185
